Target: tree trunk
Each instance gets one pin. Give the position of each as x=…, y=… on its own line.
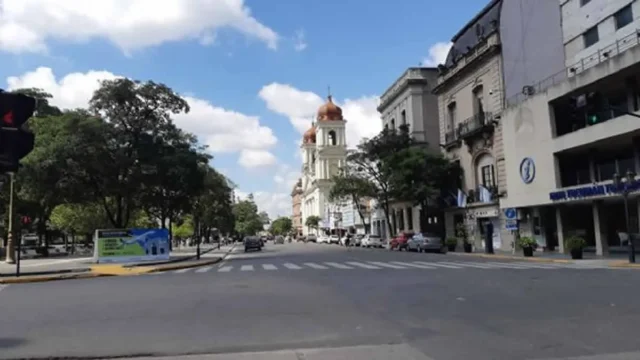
x=359, y=209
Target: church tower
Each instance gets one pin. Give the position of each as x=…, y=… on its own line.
x=331, y=140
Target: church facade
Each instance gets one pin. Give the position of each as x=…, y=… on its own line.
x=324, y=153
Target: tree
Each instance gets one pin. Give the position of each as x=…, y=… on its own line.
x=247, y=220
x=348, y=186
x=213, y=207
x=373, y=160
x=79, y=219
x=185, y=229
x=422, y=177
x=312, y=222
x=139, y=115
x=264, y=217
x=281, y=226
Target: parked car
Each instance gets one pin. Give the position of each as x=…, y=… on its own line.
x=252, y=242
x=400, y=242
x=312, y=238
x=415, y=243
x=358, y=240
x=431, y=242
x=369, y=241
x=278, y=239
x=323, y=239
x=334, y=239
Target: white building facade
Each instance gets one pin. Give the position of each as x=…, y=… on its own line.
x=563, y=157
x=324, y=153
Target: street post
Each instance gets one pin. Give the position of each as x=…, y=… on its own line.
x=624, y=187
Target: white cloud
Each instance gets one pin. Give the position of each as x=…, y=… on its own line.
x=363, y=119
x=300, y=42
x=28, y=25
x=224, y=131
x=274, y=203
x=286, y=177
x=437, y=54
x=256, y=158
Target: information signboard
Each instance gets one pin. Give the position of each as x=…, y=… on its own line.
x=131, y=245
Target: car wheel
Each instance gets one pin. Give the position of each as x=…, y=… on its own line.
x=444, y=250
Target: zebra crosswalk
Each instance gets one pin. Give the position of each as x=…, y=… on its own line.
x=380, y=266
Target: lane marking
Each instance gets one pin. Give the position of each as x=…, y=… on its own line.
x=204, y=269
x=246, y=268
x=338, y=265
x=269, y=267
x=181, y=271
x=438, y=264
x=387, y=265
x=361, y=265
x=419, y=266
x=291, y=266
x=2, y=287
x=474, y=265
x=225, y=268
x=511, y=266
x=315, y=266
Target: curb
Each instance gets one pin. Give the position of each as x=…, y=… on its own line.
x=518, y=258
x=181, y=266
x=186, y=258
x=48, y=278
x=623, y=264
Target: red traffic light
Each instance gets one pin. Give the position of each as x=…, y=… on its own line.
x=7, y=119
x=16, y=109
x=26, y=220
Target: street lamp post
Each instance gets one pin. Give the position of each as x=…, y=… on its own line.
x=624, y=186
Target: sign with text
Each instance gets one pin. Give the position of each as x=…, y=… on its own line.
x=130, y=245
x=593, y=191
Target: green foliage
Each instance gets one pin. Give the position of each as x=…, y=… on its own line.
x=281, y=226
x=527, y=242
x=185, y=229
x=246, y=216
x=312, y=221
x=575, y=243
x=122, y=162
x=352, y=186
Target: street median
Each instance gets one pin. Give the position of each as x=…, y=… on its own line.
x=46, y=278
x=624, y=264
x=514, y=258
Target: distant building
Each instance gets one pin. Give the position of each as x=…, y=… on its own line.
x=296, y=200
x=324, y=153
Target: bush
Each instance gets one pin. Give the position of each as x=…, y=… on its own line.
x=575, y=243
x=527, y=242
x=451, y=241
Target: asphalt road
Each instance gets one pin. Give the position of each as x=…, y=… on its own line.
x=275, y=305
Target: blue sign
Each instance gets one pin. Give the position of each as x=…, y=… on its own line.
x=527, y=170
x=593, y=190
x=511, y=224
x=510, y=213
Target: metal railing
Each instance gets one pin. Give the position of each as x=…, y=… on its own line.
x=469, y=126
x=599, y=56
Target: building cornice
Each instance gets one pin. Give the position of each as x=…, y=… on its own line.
x=466, y=65
x=411, y=76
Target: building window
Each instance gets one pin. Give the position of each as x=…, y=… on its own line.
x=478, y=100
x=591, y=37
x=451, y=116
x=488, y=176
x=332, y=138
x=393, y=124
x=584, y=2
x=623, y=17
x=403, y=117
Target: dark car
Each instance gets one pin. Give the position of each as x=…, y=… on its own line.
x=252, y=242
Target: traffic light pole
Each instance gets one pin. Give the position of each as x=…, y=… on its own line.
x=10, y=257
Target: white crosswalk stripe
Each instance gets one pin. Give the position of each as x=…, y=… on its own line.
x=386, y=265
x=315, y=266
x=362, y=265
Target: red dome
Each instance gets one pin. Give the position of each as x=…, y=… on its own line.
x=330, y=111
x=309, y=136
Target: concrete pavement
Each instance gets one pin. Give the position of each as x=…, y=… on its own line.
x=426, y=314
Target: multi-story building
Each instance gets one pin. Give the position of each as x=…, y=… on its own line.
x=324, y=153
x=296, y=213
x=351, y=220
x=409, y=101
x=578, y=133
x=494, y=58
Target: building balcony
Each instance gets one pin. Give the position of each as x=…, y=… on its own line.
x=473, y=196
x=479, y=125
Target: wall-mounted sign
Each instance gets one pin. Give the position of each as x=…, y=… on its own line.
x=527, y=170
x=510, y=213
x=592, y=191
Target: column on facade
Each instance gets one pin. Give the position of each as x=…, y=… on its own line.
x=406, y=217
x=602, y=247
x=560, y=229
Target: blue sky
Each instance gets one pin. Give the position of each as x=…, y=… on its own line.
x=253, y=71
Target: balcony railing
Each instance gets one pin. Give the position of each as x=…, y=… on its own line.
x=470, y=127
x=597, y=57
x=473, y=196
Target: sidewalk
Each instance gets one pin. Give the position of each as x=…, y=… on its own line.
x=75, y=266
x=589, y=258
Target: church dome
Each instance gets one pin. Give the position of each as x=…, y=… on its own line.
x=330, y=111
x=309, y=136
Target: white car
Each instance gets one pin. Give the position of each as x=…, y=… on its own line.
x=323, y=239
x=372, y=241
x=334, y=239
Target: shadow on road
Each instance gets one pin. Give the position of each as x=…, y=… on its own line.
x=6, y=343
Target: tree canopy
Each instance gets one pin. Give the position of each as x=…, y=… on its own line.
x=281, y=226
x=120, y=162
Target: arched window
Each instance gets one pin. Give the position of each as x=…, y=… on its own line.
x=485, y=171
x=332, y=138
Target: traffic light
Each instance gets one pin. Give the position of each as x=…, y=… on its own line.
x=16, y=141
x=591, y=105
